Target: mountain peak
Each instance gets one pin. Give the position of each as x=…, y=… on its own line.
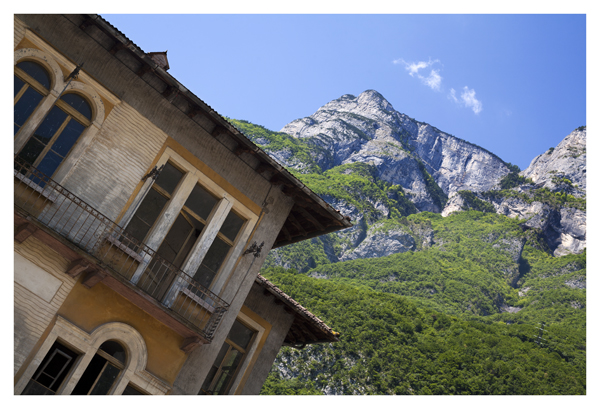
x=367, y=101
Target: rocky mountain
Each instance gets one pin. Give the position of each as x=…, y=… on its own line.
x=454, y=260
x=563, y=165
x=549, y=196
x=375, y=164
x=406, y=152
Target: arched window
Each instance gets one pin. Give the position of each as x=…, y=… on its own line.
x=102, y=371
x=32, y=84
x=57, y=134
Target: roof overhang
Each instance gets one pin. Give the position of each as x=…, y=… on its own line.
x=306, y=328
x=310, y=215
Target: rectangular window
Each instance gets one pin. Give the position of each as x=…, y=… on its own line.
x=230, y=357
x=192, y=223
x=52, y=371
x=154, y=202
x=219, y=249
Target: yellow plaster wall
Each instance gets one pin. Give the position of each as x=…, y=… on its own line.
x=90, y=308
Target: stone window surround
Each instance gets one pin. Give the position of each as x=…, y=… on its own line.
x=214, y=221
x=134, y=371
x=86, y=91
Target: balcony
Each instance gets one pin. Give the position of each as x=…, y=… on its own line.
x=104, y=252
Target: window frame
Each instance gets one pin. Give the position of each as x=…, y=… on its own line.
x=69, y=366
x=33, y=83
x=85, y=86
x=225, y=204
x=238, y=370
x=109, y=359
x=71, y=114
x=262, y=330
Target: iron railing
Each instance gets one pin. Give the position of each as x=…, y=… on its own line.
x=114, y=249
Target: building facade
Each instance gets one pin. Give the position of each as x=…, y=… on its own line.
x=142, y=218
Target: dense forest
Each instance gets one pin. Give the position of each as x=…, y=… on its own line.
x=426, y=322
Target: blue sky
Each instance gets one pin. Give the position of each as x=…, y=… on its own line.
x=513, y=84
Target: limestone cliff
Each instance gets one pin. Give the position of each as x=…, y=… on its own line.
x=409, y=166
x=405, y=151
x=551, y=201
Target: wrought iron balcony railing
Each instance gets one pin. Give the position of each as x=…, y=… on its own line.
x=56, y=208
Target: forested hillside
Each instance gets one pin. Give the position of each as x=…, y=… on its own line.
x=461, y=275
x=443, y=320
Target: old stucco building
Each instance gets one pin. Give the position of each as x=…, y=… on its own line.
x=142, y=218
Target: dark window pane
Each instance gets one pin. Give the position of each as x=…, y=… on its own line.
x=146, y=214
x=213, y=370
x=221, y=355
x=31, y=150
x=26, y=105
x=206, y=385
x=187, y=247
x=232, y=225
x=67, y=138
x=50, y=163
x=212, y=262
x=79, y=104
x=34, y=388
x=19, y=83
x=228, y=370
x=89, y=376
x=106, y=380
x=114, y=349
x=52, y=371
x=201, y=202
x=175, y=239
x=169, y=178
x=216, y=254
x=130, y=390
x=204, y=276
x=240, y=334
x=36, y=71
x=51, y=123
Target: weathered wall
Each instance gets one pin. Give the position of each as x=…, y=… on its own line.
x=40, y=289
x=19, y=28
x=116, y=161
x=281, y=322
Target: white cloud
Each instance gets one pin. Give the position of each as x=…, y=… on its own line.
x=468, y=98
x=433, y=80
x=413, y=68
x=452, y=95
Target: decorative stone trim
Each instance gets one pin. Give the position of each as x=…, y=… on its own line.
x=87, y=344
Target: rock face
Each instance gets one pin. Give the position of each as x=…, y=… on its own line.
x=560, y=170
x=368, y=129
x=565, y=164
x=431, y=166
x=381, y=243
